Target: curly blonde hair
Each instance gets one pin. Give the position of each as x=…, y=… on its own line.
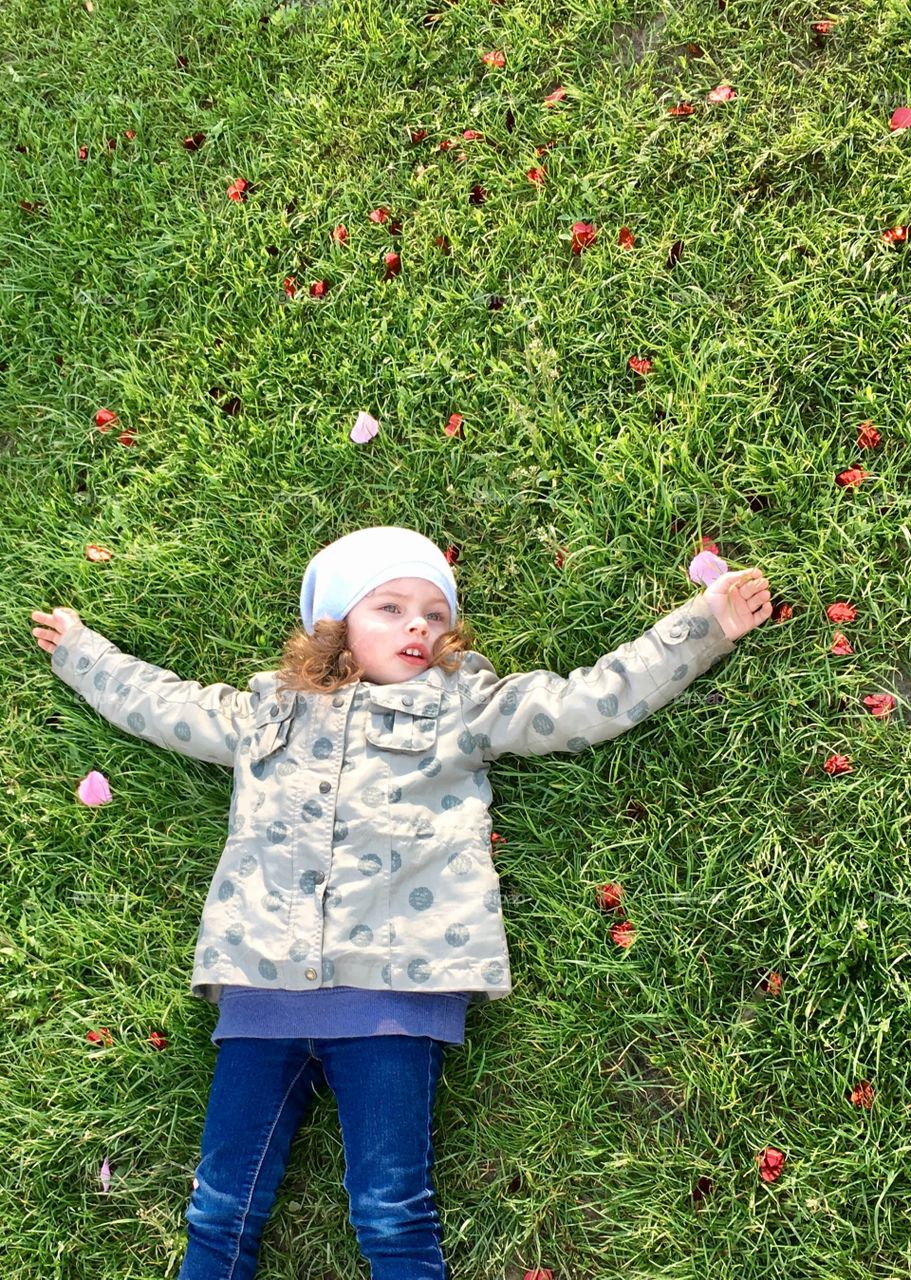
x=322, y=663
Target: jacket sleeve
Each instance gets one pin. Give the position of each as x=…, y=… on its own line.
x=539, y=712
x=204, y=722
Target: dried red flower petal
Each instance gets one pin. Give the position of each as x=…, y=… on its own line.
x=709, y=545
x=560, y=556
x=418, y=135
x=495, y=58
x=195, y=142
x=478, y=194
x=340, y=234
x=723, y=93
x=237, y=190
x=852, y=476
x=681, y=109
x=623, y=933
x=867, y=436
x=557, y=96
x=130, y=133
x=782, y=612
x=584, y=235
x=640, y=365
x=442, y=243
x=840, y=646
x=472, y=135
x=545, y=147
x=822, y=28
x=771, y=1164
x=104, y=419
x=901, y=119
x=452, y=553
x=879, y=704
x=454, y=425
x=896, y=235
x=319, y=288
x=838, y=764
x=101, y=1036
x=447, y=144
x=609, y=896
x=127, y=437
x=862, y=1095
x=771, y=984
x=97, y=553
x=695, y=50
x=495, y=838
x=83, y=153
x=841, y=611
x=626, y=239
x=379, y=215
x=393, y=264
x=289, y=284
x=674, y=255
x=536, y=175
x=157, y=1040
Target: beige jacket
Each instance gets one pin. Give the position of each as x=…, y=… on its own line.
x=358, y=849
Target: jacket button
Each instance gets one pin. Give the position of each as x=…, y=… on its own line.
x=407, y=700
x=310, y=973
x=338, y=702
x=324, y=787
x=274, y=711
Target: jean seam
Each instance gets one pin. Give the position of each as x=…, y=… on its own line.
x=259, y=1166
x=427, y=1190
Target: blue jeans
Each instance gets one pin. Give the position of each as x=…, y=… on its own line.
x=385, y=1088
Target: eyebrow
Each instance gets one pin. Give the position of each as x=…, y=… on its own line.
x=399, y=595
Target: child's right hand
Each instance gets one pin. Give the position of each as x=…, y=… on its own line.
x=55, y=625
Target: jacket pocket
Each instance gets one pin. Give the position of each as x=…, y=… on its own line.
x=401, y=721
x=271, y=724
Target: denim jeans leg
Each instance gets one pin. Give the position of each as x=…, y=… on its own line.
x=385, y=1087
x=260, y=1093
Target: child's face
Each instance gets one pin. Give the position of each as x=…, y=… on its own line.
x=402, y=613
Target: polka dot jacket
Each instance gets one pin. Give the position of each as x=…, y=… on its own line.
x=358, y=850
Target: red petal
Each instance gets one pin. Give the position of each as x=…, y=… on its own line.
x=841, y=611
x=454, y=424
x=880, y=704
x=626, y=239
x=536, y=175
x=83, y=153
x=681, y=109
x=838, y=764
x=418, y=135
x=867, y=436
x=340, y=234
x=290, y=286
x=495, y=58
x=553, y=98
x=782, y=612
x=453, y=553
x=851, y=477
x=609, y=896
x=640, y=365
x=380, y=215
x=840, y=646
x=862, y=1095
x=393, y=264
x=584, y=235
x=822, y=28
x=104, y=418
x=901, y=118
x=623, y=934
x=97, y=553
x=771, y=1164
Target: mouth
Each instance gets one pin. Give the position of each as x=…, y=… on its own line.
x=408, y=657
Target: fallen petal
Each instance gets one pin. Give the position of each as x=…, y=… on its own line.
x=879, y=704
x=862, y=1095
x=838, y=764
x=496, y=58
x=681, y=109
x=104, y=419
x=453, y=426
x=623, y=934
x=105, y=1175
x=771, y=1164
x=841, y=611
x=782, y=612
x=364, y=429
x=901, y=119
x=97, y=553
x=584, y=234
x=94, y=789
x=706, y=567
x=867, y=436
x=724, y=93
x=553, y=98
x=840, y=646
x=640, y=365
x=626, y=239
x=609, y=896
x=851, y=477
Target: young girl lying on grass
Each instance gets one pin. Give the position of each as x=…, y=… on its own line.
x=355, y=910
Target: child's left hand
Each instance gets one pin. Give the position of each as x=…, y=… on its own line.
x=740, y=601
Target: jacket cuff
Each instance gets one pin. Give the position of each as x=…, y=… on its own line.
x=694, y=633
x=76, y=655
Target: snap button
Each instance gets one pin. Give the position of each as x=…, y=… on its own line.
x=274, y=711
x=407, y=700
x=324, y=787
x=310, y=973
x=338, y=702
x=319, y=877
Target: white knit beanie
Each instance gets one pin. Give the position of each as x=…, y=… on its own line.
x=343, y=572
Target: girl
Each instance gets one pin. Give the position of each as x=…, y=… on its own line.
x=355, y=910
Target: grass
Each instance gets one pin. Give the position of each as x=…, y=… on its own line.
x=574, y=1124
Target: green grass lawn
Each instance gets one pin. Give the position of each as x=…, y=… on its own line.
x=584, y=1111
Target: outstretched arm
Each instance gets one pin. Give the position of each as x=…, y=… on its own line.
x=204, y=722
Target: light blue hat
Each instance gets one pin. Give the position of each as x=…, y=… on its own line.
x=343, y=572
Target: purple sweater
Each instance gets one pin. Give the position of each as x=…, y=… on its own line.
x=335, y=1012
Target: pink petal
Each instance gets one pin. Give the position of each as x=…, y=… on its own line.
x=105, y=1175
x=724, y=93
x=706, y=567
x=364, y=429
x=94, y=789
x=901, y=118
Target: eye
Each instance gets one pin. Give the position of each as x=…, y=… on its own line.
x=435, y=613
